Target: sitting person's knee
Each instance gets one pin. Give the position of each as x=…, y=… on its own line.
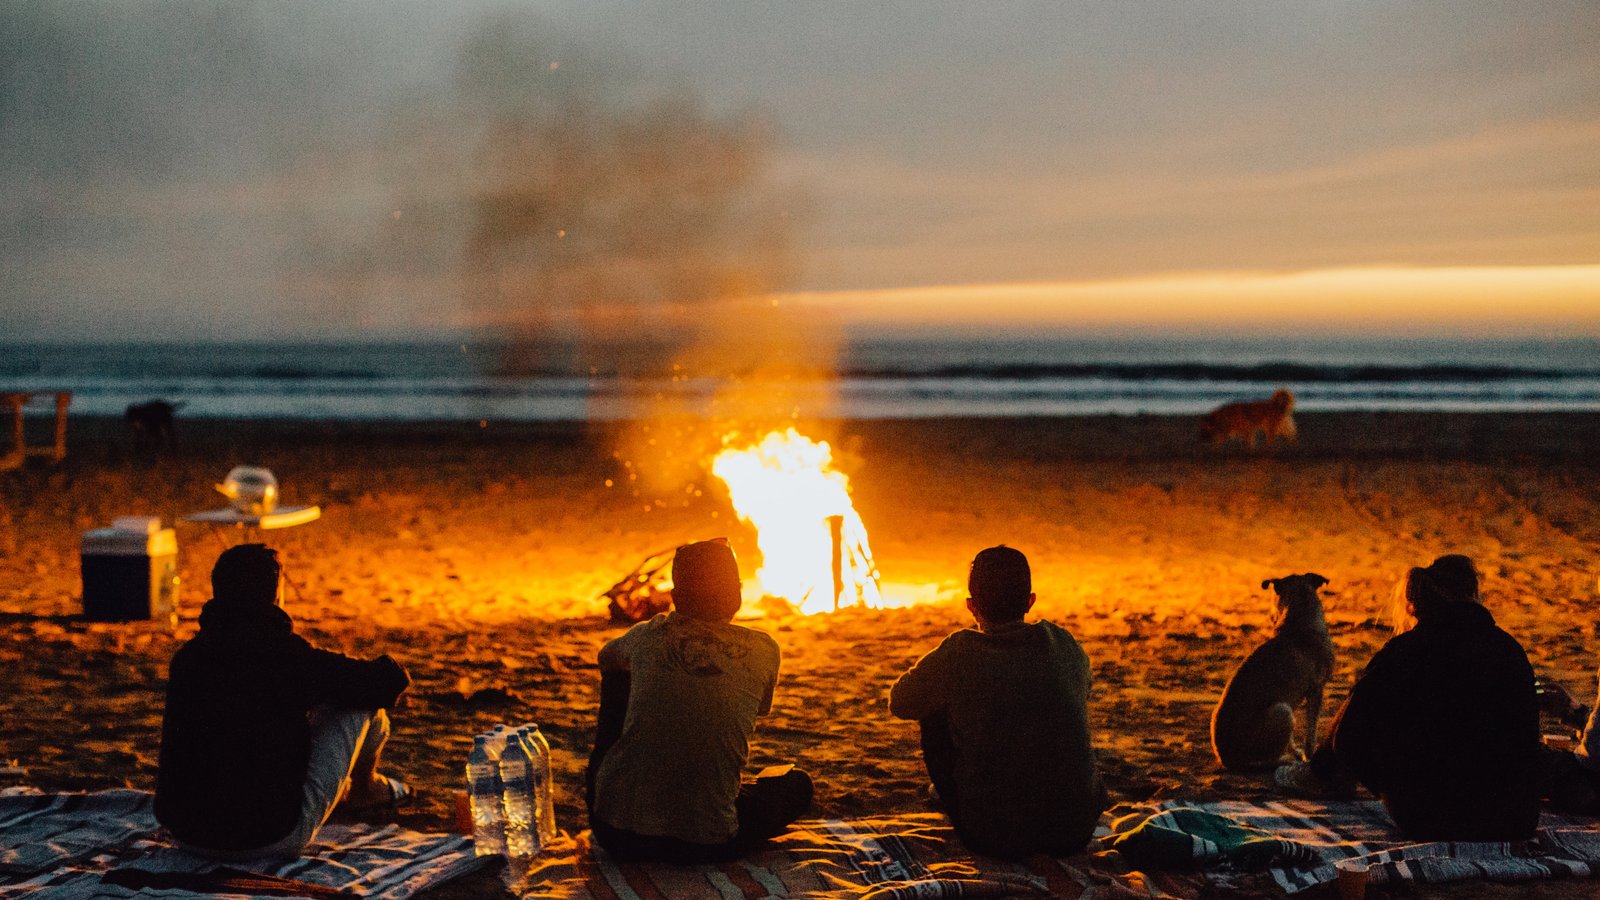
x=378, y=726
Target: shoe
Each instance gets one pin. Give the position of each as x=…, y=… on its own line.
x=1298, y=780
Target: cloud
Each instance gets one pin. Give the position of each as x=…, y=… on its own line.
x=237, y=168
x=1521, y=194
x=233, y=169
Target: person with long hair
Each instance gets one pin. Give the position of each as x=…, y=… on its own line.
x=1443, y=725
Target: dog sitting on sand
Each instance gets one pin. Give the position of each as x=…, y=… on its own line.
x=1253, y=724
x=151, y=424
x=1245, y=420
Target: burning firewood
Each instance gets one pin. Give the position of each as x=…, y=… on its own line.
x=814, y=552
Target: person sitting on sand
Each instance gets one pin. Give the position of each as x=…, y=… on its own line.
x=1004, y=716
x=680, y=694
x=1443, y=725
x=1571, y=777
x=265, y=734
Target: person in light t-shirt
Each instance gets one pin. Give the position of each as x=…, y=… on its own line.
x=1571, y=777
x=679, y=698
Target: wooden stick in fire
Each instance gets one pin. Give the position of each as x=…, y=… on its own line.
x=836, y=532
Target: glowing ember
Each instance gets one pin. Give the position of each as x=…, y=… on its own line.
x=814, y=550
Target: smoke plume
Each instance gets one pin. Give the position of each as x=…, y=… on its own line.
x=185, y=169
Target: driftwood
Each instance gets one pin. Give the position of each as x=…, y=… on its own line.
x=851, y=556
x=645, y=592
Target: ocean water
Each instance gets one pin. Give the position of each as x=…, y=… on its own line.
x=884, y=378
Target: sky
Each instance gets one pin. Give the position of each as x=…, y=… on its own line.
x=182, y=169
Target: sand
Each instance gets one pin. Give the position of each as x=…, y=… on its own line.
x=476, y=555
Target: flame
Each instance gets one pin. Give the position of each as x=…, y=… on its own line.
x=785, y=485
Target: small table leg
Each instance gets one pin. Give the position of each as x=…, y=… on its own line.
x=63, y=400
x=19, y=449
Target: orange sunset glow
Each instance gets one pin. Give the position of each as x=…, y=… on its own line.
x=1461, y=301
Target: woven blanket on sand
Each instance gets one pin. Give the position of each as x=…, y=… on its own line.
x=1169, y=849
x=107, y=844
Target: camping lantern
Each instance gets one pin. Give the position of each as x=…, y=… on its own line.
x=252, y=491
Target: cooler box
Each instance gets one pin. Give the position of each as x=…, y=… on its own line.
x=129, y=575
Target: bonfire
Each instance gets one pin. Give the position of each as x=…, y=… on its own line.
x=814, y=551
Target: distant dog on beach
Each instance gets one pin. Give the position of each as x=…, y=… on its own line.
x=1253, y=725
x=151, y=424
x=1245, y=420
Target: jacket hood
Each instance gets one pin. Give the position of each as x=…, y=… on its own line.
x=1459, y=614
x=228, y=615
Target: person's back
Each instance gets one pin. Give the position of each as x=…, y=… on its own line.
x=680, y=696
x=1453, y=747
x=1005, y=722
x=228, y=713
x=242, y=740
x=698, y=687
x=1443, y=724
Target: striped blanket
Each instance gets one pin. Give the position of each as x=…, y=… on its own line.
x=107, y=844
x=1322, y=838
x=1270, y=848
x=910, y=857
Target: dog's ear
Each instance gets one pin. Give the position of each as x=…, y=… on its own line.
x=1270, y=583
x=1315, y=579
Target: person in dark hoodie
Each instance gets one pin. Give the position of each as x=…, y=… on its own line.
x=265, y=734
x=1444, y=723
x=1004, y=715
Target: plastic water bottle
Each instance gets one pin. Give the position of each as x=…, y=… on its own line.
x=483, y=791
x=539, y=786
x=544, y=785
x=516, y=780
x=543, y=802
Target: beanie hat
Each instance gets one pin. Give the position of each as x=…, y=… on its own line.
x=705, y=580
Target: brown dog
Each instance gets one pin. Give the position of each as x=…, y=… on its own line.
x=1245, y=420
x=1253, y=725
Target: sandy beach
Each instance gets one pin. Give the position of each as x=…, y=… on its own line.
x=476, y=555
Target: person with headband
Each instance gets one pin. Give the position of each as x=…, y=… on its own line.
x=1443, y=725
x=264, y=734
